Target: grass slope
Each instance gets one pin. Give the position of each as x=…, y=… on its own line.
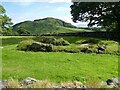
x=46, y=25
x=55, y=66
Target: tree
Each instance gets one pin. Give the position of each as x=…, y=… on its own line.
x=22, y=31
x=5, y=22
x=105, y=14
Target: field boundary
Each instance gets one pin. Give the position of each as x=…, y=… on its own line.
x=107, y=35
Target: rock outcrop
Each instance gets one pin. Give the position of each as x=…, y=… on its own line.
x=37, y=46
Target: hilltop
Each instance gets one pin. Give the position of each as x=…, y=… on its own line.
x=45, y=25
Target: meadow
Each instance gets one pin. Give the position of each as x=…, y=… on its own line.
x=56, y=66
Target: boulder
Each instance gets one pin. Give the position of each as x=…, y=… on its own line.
x=54, y=41
x=111, y=83
x=28, y=81
x=115, y=82
x=101, y=49
x=84, y=49
x=3, y=84
x=49, y=48
x=46, y=40
x=37, y=46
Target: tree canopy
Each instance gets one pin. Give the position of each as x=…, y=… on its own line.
x=5, y=22
x=105, y=14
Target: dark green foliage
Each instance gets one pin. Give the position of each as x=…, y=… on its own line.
x=5, y=22
x=22, y=31
x=45, y=25
x=100, y=13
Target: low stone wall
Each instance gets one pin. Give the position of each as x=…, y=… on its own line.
x=108, y=35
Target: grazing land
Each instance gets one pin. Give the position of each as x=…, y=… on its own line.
x=45, y=25
x=57, y=66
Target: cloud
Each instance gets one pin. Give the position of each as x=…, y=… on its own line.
x=25, y=3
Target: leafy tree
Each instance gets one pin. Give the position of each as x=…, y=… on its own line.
x=5, y=22
x=22, y=31
x=105, y=14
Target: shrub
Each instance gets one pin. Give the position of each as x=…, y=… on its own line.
x=22, y=31
x=23, y=45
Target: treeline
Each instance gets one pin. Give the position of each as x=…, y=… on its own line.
x=107, y=35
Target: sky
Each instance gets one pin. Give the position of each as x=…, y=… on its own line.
x=21, y=11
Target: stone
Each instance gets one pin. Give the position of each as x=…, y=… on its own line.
x=114, y=82
x=28, y=81
x=72, y=85
x=85, y=49
x=111, y=83
x=37, y=46
x=46, y=40
x=3, y=84
x=101, y=49
x=49, y=48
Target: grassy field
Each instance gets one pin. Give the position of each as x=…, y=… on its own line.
x=55, y=66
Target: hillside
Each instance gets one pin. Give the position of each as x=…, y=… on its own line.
x=46, y=25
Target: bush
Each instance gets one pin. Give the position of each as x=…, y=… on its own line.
x=23, y=45
x=23, y=32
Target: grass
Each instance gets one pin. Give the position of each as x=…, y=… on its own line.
x=10, y=40
x=55, y=66
x=69, y=30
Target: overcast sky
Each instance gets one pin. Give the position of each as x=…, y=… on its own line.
x=37, y=9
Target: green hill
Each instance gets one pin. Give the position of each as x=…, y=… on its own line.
x=46, y=25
